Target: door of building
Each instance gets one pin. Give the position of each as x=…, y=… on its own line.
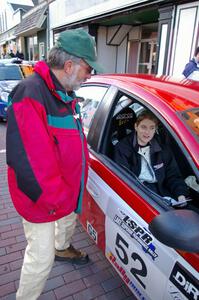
x=142, y=50
x=147, y=56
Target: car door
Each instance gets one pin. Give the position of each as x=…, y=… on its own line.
x=93, y=95
x=116, y=214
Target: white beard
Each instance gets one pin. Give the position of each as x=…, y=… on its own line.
x=72, y=82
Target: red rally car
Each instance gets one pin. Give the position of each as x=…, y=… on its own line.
x=152, y=244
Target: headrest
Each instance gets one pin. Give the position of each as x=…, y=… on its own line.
x=125, y=118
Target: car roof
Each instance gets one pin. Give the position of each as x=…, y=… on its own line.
x=10, y=65
x=180, y=94
x=10, y=60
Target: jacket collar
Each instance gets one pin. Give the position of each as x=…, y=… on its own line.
x=43, y=70
x=154, y=145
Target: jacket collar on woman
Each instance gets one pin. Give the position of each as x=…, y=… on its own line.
x=154, y=145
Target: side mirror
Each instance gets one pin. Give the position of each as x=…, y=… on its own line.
x=178, y=229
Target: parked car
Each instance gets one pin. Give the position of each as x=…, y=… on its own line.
x=16, y=60
x=153, y=246
x=10, y=75
x=13, y=60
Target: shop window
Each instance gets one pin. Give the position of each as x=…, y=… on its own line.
x=33, y=51
x=142, y=51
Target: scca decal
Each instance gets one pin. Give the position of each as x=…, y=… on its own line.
x=185, y=282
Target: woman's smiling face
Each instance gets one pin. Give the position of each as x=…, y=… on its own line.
x=145, y=131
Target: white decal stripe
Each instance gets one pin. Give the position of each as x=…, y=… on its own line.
x=136, y=254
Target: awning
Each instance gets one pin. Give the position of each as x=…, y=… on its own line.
x=7, y=36
x=31, y=23
x=103, y=11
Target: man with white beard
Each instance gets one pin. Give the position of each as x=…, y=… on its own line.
x=47, y=157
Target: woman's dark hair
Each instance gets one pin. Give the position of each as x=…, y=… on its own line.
x=146, y=114
x=196, y=51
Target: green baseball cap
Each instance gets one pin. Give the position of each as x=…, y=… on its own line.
x=81, y=44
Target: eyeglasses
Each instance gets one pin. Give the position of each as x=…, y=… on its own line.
x=88, y=68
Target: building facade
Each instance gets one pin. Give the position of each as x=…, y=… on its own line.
x=23, y=26
x=11, y=14
x=132, y=36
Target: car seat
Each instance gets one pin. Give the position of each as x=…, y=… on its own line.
x=122, y=124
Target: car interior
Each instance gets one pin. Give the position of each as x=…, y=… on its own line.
x=122, y=124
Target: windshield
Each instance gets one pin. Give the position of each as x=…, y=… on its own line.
x=10, y=73
x=191, y=118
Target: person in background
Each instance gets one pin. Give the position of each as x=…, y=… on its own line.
x=47, y=157
x=153, y=164
x=11, y=54
x=191, y=70
x=20, y=55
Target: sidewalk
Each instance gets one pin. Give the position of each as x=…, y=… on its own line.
x=96, y=280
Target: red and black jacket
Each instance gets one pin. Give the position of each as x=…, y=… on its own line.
x=46, y=149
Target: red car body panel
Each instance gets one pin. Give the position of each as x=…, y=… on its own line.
x=145, y=210
x=169, y=99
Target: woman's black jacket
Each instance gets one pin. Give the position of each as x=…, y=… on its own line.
x=169, y=180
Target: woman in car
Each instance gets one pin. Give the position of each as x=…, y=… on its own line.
x=152, y=163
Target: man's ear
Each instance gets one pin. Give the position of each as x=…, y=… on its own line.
x=68, y=67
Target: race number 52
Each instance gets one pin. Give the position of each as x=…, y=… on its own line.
x=122, y=249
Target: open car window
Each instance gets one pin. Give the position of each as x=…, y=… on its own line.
x=122, y=125
x=92, y=96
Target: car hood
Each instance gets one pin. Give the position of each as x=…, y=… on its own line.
x=8, y=85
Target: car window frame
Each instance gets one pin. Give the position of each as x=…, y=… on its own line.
x=84, y=86
x=97, y=128
x=164, y=123
x=98, y=139
x=180, y=115
x=95, y=137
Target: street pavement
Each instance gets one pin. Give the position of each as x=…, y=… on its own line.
x=96, y=280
